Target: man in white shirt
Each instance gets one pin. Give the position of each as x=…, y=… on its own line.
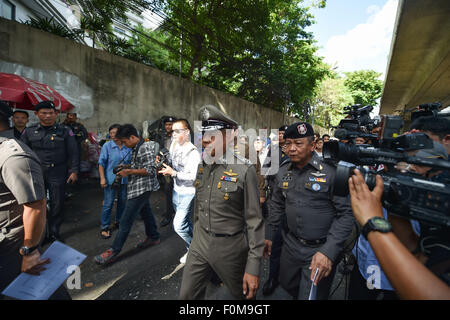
x=184, y=160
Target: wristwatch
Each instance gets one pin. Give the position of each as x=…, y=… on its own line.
x=25, y=251
x=376, y=224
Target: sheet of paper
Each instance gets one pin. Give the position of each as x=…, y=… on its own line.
x=313, y=292
x=30, y=287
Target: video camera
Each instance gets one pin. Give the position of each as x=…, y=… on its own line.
x=163, y=158
x=118, y=179
x=426, y=109
x=357, y=123
x=408, y=195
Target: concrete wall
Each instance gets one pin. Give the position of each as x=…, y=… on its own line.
x=107, y=89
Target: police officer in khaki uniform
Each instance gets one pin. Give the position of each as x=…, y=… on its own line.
x=318, y=223
x=22, y=211
x=228, y=225
x=55, y=145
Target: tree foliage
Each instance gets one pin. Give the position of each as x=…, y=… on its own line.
x=365, y=86
x=331, y=98
x=255, y=49
x=335, y=92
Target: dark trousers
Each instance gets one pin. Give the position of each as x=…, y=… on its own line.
x=358, y=289
x=275, y=256
x=166, y=184
x=295, y=276
x=55, y=183
x=11, y=263
x=140, y=204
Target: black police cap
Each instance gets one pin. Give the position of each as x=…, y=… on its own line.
x=299, y=130
x=45, y=105
x=5, y=110
x=169, y=119
x=283, y=128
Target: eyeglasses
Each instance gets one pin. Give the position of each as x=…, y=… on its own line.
x=178, y=131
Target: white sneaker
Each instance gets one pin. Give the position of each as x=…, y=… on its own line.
x=183, y=258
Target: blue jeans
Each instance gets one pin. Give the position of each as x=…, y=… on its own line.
x=108, y=203
x=183, y=205
x=140, y=204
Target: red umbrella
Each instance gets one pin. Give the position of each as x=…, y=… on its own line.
x=23, y=93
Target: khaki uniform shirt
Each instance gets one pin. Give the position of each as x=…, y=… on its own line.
x=227, y=202
x=21, y=182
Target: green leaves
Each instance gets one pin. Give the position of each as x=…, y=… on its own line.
x=365, y=86
x=49, y=25
x=334, y=93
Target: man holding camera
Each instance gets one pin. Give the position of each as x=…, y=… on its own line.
x=184, y=158
x=141, y=182
x=166, y=181
x=318, y=223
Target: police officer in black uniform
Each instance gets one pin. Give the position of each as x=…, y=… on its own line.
x=318, y=223
x=78, y=129
x=5, y=115
x=274, y=266
x=54, y=144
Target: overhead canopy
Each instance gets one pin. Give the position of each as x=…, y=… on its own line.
x=419, y=62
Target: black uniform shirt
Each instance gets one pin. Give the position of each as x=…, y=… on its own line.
x=312, y=211
x=53, y=145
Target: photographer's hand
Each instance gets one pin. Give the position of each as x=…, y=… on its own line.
x=167, y=171
x=366, y=204
x=124, y=173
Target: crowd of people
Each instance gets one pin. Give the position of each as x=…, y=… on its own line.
x=234, y=200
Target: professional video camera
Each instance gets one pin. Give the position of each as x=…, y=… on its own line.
x=406, y=194
x=425, y=110
x=118, y=179
x=357, y=123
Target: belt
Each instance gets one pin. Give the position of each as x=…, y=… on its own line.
x=309, y=242
x=52, y=165
x=218, y=235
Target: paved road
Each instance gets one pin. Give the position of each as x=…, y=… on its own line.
x=137, y=274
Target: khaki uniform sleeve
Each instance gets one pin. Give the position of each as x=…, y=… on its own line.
x=23, y=177
x=255, y=223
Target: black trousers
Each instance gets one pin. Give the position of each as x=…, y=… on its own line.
x=166, y=184
x=275, y=255
x=55, y=183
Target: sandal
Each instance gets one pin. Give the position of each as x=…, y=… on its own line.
x=105, y=236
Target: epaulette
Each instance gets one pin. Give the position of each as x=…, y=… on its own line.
x=241, y=158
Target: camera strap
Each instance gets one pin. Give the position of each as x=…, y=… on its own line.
x=140, y=143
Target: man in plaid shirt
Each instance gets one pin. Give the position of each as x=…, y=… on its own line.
x=142, y=180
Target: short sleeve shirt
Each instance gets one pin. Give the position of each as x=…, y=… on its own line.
x=21, y=181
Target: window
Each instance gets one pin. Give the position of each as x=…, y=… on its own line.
x=7, y=10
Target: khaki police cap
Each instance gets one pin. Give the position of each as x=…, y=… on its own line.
x=214, y=119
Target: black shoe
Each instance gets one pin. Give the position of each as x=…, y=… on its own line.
x=165, y=222
x=270, y=286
